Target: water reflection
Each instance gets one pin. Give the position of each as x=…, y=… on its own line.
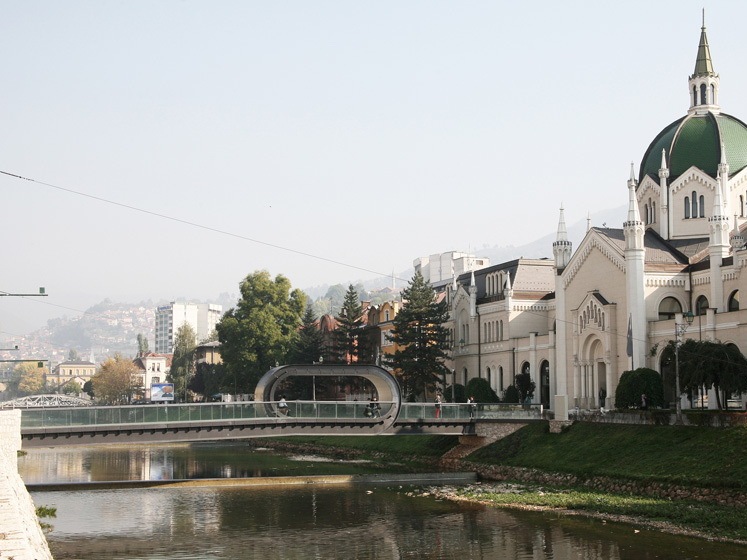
x=335, y=522
x=173, y=461
x=325, y=522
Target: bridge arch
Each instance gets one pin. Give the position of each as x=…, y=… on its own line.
x=385, y=384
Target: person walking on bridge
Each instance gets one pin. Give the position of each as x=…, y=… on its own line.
x=438, y=405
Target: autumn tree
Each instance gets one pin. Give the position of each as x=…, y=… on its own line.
x=420, y=336
x=115, y=380
x=185, y=342
x=258, y=333
x=28, y=378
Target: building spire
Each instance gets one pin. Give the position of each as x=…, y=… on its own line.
x=704, y=82
x=561, y=248
x=634, y=214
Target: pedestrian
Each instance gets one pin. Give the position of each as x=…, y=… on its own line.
x=375, y=407
x=602, y=397
x=438, y=405
x=283, y=406
x=472, y=406
x=644, y=402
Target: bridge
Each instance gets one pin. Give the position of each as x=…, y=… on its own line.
x=269, y=415
x=168, y=423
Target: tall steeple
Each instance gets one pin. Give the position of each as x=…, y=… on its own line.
x=561, y=248
x=704, y=82
x=635, y=256
x=663, y=216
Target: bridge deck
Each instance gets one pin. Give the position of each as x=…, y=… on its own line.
x=44, y=427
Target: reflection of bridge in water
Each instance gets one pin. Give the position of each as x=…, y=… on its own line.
x=265, y=416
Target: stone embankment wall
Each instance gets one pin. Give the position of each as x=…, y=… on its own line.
x=21, y=537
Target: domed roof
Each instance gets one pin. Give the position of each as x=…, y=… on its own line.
x=695, y=140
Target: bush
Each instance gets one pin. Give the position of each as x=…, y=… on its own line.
x=637, y=382
x=458, y=393
x=481, y=390
x=511, y=394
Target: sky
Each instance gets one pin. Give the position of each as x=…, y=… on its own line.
x=168, y=149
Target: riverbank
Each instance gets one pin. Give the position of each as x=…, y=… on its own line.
x=679, y=479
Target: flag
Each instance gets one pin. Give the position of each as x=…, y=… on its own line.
x=630, y=335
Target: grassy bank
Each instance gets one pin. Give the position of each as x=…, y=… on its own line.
x=694, y=457
x=690, y=456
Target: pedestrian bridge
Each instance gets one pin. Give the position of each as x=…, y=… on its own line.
x=165, y=423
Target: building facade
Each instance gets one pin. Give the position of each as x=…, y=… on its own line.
x=202, y=317
x=577, y=321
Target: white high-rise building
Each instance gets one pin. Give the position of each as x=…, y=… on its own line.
x=202, y=317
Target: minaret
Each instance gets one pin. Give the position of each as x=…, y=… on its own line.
x=704, y=82
x=664, y=218
x=561, y=249
x=635, y=255
x=718, y=246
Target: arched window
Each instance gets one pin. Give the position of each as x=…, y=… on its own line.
x=653, y=212
x=487, y=376
x=500, y=331
x=695, y=96
x=687, y=207
x=734, y=301
x=741, y=205
x=702, y=207
x=713, y=94
x=703, y=98
x=500, y=378
x=645, y=212
x=694, y=205
x=701, y=304
x=668, y=307
x=525, y=367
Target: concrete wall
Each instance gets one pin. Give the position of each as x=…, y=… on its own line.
x=21, y=537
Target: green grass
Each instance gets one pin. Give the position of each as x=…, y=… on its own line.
x=695, y=456
x=707, y=519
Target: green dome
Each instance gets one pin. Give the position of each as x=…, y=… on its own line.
x=695, y=140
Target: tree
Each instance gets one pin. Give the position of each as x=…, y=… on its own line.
x=72, y=355
x=421, y=339
x=29, y=378
x=88, y=388
x=481, y=390
x=72, y=388
x=525, y=385
x=257, y=334
x=142, y=345
x=115, y=380
x=713, y=365
x=308, y=346
x=185, y=342
x=348, y=329
x=638, y=382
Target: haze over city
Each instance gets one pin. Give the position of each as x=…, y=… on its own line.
x=174, y=147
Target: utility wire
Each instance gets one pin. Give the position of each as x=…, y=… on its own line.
x=196, y=225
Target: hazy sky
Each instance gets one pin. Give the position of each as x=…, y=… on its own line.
x=177, y=146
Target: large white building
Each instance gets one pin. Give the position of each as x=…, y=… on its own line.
x=566, y=320
x=202, y=317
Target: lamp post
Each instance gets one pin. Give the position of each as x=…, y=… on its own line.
x=679, y=330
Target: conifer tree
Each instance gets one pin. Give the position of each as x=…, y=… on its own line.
x=308, y=346
x=421, y=338
x=348, y=329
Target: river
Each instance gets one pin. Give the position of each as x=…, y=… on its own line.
x=356, y=521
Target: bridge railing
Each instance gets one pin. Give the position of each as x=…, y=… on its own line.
x=267, y=411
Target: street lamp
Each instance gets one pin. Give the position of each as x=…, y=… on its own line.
x=679, y=330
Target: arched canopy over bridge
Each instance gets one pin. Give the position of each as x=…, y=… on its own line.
x=385, y=386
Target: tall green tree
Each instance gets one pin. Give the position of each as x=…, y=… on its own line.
x=349, y=323
x=258, y=333
x=308, y=346
x=421, y=338
x=182, y=362
x=142, y=344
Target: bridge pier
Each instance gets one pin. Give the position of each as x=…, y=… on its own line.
x=485, y=434
x=21, y=535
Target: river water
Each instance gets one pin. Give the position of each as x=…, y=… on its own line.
x=366, y=522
